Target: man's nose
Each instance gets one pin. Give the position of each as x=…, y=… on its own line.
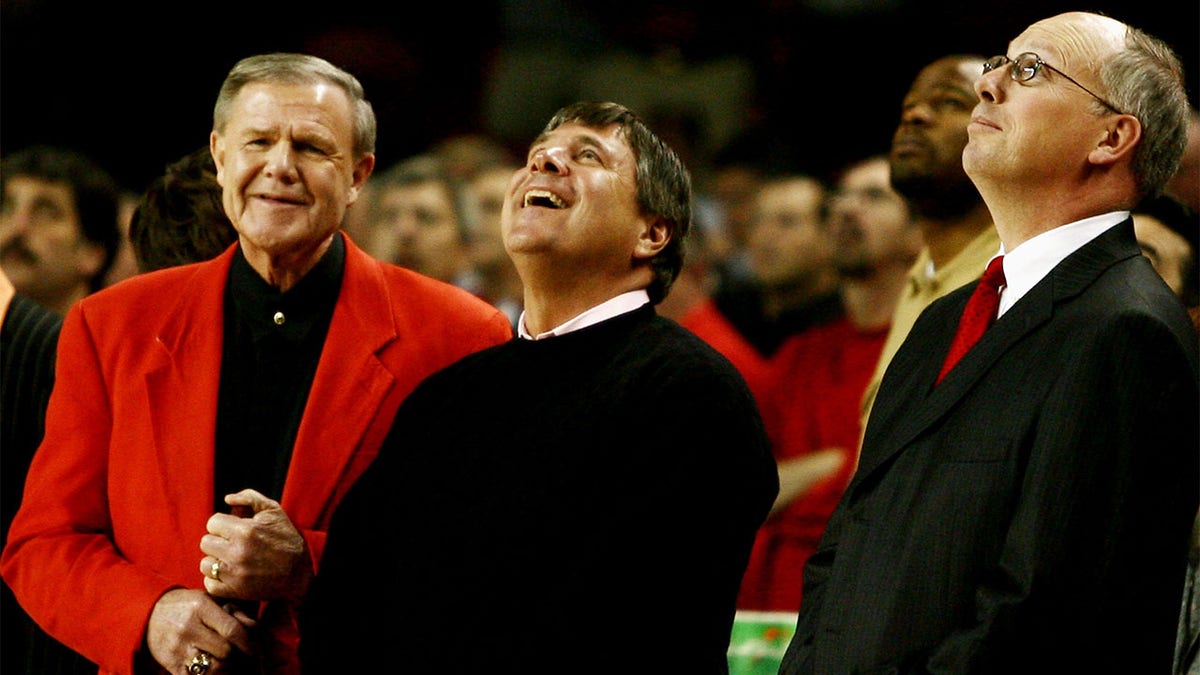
x=281, y=161
x=549, y=160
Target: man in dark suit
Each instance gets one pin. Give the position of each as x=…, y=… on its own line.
x=206, y=419
x=28, y=339
x=1030, y=512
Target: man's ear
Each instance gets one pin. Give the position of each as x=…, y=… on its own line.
x=362, y=171
x=654, y=238
x=1121, y=137
x=216, y=147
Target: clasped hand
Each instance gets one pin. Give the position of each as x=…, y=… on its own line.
x=262, y=556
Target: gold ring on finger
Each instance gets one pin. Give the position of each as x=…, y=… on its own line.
x=200, y=662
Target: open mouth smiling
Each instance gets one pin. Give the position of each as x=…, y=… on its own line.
x=544, y=198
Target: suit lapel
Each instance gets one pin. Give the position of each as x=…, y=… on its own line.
x=183, y=381
x=349, y=387
x=350, y=384
x=914, y=405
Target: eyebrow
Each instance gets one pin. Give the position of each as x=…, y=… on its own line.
x=584, y=139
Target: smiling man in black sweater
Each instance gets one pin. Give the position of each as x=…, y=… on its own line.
x=583, y=498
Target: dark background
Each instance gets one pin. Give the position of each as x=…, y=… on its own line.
x=134, y=86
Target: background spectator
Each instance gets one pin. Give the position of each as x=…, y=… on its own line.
x=180, y=218
x=58, y=224
x=420, y=217
x=792, y=283
x=819, y=375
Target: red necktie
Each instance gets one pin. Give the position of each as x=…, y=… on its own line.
x=979, y=314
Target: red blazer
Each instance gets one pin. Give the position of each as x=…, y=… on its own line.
x=119, y=492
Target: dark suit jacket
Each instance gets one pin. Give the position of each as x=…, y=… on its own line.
x=27, y=345
x=120, y=491
x=1031, y=513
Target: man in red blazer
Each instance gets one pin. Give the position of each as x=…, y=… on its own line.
x=207, y=419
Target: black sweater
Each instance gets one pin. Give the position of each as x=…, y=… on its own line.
x=584, y=503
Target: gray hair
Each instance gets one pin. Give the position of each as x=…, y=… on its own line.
x=1146, y=80
x=298, y=69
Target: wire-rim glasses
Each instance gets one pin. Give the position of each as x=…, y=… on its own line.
x=1026, y=66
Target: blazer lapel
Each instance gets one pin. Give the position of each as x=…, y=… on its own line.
x=350, y=385
x=183, y=381
x=917, y=404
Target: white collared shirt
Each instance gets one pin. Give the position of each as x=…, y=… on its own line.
x=1030, y=262
x=625, y=302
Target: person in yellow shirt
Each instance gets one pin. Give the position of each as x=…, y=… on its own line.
x=926, y=169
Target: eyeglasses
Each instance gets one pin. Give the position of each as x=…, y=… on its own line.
x=1026, y=66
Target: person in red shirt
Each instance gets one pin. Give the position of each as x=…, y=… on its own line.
x=818, y=378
